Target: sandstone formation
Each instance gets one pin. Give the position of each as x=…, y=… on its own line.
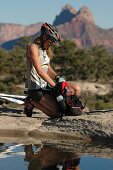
x=13, y=31
x=78, y=26
x=95, y=126
x=86, y=34
x=66, y=15
x=85, y=13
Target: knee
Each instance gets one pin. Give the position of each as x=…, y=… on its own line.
x=77, y=90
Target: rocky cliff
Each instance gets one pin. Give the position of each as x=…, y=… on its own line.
x=81, y=28
x=86, y=34
x=86, y=14
x=68, y=13
x=14, y=31
x=78, y=26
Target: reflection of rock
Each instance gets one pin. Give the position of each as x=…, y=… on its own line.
x=79, y=147
x=82, y=147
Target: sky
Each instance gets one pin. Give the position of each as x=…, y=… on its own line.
x=26, y=12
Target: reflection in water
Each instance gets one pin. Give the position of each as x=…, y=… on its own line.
x=9, y=150
x=50, y=159
x=54, y=156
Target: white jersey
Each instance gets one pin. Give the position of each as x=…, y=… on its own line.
x=33, y=80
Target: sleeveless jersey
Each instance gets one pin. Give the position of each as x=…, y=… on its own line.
x=32, y=79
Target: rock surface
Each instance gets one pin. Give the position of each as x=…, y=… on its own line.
x=66, y=15
x=85, y=34
x=14, y=31
x=96, y=126
x=86, y=13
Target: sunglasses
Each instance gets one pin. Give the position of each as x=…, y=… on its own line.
x=50, y=41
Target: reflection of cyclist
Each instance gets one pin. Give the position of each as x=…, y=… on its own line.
x=51, y=159
x=71, y=164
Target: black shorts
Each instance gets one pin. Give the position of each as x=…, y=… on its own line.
x=36, y=95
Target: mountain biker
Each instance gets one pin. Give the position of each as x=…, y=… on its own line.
x=39, y=73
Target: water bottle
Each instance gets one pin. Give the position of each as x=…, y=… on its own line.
x=61, y=102
x=59, y=98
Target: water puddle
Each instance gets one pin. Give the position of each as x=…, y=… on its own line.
x=55, y=155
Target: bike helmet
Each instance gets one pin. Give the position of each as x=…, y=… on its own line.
x=51, y=31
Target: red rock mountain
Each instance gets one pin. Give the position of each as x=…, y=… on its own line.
x=13, y=31
x=86, y=34
x=66, y=15
x=76, y=25
x=69, y=12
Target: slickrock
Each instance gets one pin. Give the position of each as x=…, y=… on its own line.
x=95, y=126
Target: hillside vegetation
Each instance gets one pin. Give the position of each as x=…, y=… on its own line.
x=71, y=62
